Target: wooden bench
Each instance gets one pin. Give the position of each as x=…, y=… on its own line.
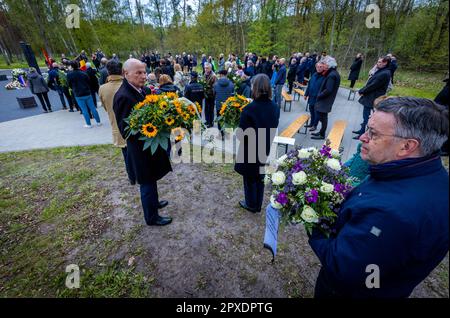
x=299, y=92
x=287, y=99
x=336, y=133
x=286, y=137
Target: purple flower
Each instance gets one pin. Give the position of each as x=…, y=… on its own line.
x=340, y=188
x=282, y=198
x=312, y=196
x=297, y=167
x=325, y=151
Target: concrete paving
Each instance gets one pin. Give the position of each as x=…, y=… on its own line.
x=63, y=128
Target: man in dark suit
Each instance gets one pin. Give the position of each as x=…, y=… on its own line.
x=376, y=86
x=327, y=94
x=147, y=168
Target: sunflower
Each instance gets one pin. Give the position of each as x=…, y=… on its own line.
x=170, y=121
x=179, y=110
x=186, y=116
x=177, y=104
x=223, y=109
x=152, y=98
x=172, y=95
x=199, y=108
x=139, y=105
x=163, y=105
x=149, y=130
x=191, y=109
x=236, y=105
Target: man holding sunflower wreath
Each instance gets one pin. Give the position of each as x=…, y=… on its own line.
x=147, y=168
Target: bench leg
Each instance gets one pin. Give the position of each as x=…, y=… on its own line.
x=285, y=148
x=284, y=109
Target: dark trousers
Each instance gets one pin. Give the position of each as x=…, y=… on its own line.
x=43, y=98
x=70, y=98
x=149, y=200
x=291, y=84
x=352, y=83
x=323, y=118
x=60, y=92
x=314, y=117
x=366, y=115
x=94, y=98
x=209, y=111
x=130, y=171
x=254, y=191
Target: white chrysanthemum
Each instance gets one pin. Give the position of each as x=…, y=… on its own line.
x=304, y=154
x=335, y=154
x=334, y=164
x=274, y=203
x=326, y=187
x=278, y=178
x=282, y=159
x=299, y=178
x=309, y=215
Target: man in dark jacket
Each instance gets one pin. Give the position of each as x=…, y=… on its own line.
x=311, y=93
x=148, y=168
x=223, y=89
x=279, y=82
x=392, y=229
x=292, y=74
x=443, y=99
x=93, y=82
x=376, y=86
x=392, y=66
x=194, y=91
x=55, y=84
x=261, y=115
x=327, y=94
x=355, y=68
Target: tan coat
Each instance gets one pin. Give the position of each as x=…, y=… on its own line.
x=106, y=93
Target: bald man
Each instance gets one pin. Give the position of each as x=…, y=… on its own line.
x=147, y=168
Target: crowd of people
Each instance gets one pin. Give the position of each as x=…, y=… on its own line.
x=395, y=218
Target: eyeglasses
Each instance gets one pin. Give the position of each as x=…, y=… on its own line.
x=371, y=134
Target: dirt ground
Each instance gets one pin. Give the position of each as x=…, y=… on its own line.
x=213, y=248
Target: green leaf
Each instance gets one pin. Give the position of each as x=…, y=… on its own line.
x=148, y=143
x=154, y=146
x=164, y=143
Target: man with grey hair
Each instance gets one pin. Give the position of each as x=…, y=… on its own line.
x=393, y=228
x=210, y=79
x=148, y=168
x=279, y=81
x=103, y=70
x=327, y=94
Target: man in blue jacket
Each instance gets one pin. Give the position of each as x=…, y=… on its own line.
x=392, y=229
x=279, y=82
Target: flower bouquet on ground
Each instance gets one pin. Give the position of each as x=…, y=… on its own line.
x=17, y=72
x=157, y=116
x=309, y=186
x=230, y=113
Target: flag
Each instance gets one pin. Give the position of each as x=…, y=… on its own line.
x=83, y=65
x=47, y=59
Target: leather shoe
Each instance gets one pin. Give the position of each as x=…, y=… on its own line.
x=316, y=134
x=318, y=137
x=162, y=204
x=245, y=206
x=161, y=221
x=308, y=126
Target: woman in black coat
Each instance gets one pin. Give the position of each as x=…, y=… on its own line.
x=261, y=113
x=291, y=74
x=355, y=69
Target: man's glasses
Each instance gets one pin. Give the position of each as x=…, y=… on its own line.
x=373, y=135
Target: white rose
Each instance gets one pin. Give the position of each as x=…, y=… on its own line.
x=313, y=150
x=299, y=178
x=326, y=187
x=335, y=153
x=281, y=160
x=334, y=164
x=309, y=215
x=274, y=203
x=278, y=178
x=304, y=154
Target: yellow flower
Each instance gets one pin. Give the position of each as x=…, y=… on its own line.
x=242, y=98
x=171, y=95
x=170, y=121
x=191, y=109
x=149, y=130
x=236, y=105
x=199, y=108
x=163, y=105
x=179, y=133
x=152, y=98
x=222, y=110
x=139, y=105
x=186, y=116
x=177, y=104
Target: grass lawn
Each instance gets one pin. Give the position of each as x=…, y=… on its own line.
x=406, y=83
x=73, y=205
